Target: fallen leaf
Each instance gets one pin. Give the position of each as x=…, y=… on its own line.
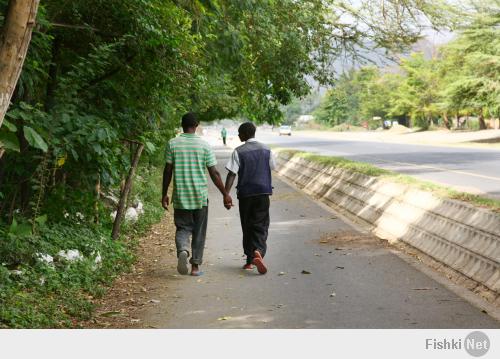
x=155, y=301
x=424, y=288
x=305, y=272
x=281, y=273
x=333, y=294
x=323, y=241
x=223, y=318
x=317, y=254
x=135, y=320
x=110, y=314
x=339, y=267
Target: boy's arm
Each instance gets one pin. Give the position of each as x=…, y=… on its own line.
x=230, y=180
x=217, y=180
x=167, y=178
x=272, y=160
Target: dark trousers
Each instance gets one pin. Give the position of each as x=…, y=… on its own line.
x=254, y=216
x=224, y=140
x=191, y=224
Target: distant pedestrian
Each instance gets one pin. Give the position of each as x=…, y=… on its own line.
x=252, y=162
x=223, y=134
x=188, y=156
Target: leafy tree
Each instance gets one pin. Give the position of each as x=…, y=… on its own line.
x=101, y=76
x=472, y=67
x=418, y=93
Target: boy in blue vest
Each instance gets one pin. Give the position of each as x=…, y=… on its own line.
x=252, y=162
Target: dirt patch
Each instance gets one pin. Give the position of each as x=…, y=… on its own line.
x=136, y=291
x=488, y=140
x=351, y=239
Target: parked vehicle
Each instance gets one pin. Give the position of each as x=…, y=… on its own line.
x=286, y=130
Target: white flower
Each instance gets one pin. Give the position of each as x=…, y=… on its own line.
x=79, y=216
x=66, y=214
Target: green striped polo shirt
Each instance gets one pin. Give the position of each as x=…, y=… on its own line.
x=190, y=156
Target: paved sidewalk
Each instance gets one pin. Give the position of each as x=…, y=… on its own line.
x=354, y=280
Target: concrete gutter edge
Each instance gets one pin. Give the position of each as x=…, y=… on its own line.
x=463, y=237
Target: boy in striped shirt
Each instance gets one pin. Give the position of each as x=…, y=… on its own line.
x=187, y=158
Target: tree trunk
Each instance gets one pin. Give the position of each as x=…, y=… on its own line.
x=14, y=41
x=124, y=195
x=97, y=197
x=482, y=123
x=446, y=121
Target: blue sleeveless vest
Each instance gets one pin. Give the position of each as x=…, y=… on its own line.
x=254, y=174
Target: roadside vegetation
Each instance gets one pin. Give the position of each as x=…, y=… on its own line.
x=105, y=83
x=373, y=171
x=456, y=86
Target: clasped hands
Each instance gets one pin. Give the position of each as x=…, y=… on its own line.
x=228, y=201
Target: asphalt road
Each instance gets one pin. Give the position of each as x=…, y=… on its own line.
x=351, y=280
x=466, y=169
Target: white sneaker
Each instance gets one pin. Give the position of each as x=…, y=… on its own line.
x=182, y=263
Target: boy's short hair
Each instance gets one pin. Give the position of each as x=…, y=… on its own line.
x=247, y=129
x=189, y=120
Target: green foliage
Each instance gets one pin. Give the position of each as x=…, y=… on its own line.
x=36, y=294
x=101, y=75
x=462, y=79
x=357, y=96
x=471, y=66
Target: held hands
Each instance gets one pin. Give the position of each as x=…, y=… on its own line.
x=165, y=202
x=228, y=201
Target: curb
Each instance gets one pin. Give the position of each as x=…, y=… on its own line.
x=463, y=237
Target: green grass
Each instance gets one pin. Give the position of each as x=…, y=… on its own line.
x=370, y=170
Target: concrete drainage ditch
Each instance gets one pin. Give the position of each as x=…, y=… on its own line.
x=464, y=237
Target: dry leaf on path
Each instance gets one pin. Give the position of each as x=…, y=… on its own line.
x=425, y=288
x=224, y=318
x=110, y=314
